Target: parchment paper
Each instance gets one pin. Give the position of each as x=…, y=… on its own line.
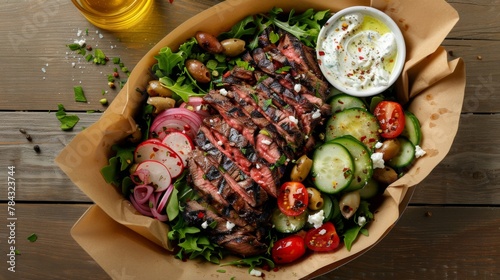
x=130, y=246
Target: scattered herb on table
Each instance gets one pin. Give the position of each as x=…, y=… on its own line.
x=79, y=95
x=33, y=237
x=67, y=121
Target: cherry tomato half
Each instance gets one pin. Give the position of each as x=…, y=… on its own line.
x=391, y=118
x=288, y=249
x=324, y=238
x=293, y=198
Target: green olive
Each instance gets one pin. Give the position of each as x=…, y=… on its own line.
x=315, y=199
x=198, y=70
x=208, y=42
x=385, y=175
x=156, y=89
x=233, y=47
x=390, y=148
x=301, y=169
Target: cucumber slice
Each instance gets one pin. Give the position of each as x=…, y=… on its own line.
x=363, y=166
x=357, y=122
x=412, y=128
x=343, y=101
x=405, y=156
x=370, y=190
x=288, y=224
x=333, y=168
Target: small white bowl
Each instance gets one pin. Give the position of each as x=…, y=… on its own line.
x=359, y=81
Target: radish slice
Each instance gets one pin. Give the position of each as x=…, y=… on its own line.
x=180, y=143
x=158, y=174
x=153, y=150
x=175, y=119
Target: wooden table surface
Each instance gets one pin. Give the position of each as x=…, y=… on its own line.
x=450, y=230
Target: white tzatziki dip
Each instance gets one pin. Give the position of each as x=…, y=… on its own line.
x=359, y=51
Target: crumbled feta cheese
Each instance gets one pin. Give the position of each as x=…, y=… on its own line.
x=255, y=272
x=80, y=42
x=223, y=92
x=219, y=143
x=322, y=232
x=79, y=33
x=229, y=225
x=316, y=219
x=257, y=166
x=266, y=142
x=297, y=87
x=101, y=36
x=43, y=70
x=419, y=152
x=293, y=119
x=378, y=160
x=316, y=114
x=361, y=221
x=378, y=145
x=204, y=225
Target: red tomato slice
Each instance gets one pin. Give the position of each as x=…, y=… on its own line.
x=324, y=238
x=293, y=198
x=288, y=249
x=391, y=118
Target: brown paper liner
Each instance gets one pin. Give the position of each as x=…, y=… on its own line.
x=126, y=243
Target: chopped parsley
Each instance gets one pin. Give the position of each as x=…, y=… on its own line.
x=79, y=95
x=67, y=121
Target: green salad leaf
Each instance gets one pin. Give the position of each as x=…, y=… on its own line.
x=361, y=218
x=67, y=121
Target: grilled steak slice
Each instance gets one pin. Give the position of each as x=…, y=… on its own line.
x=210, y=194
x=244, y=241
x=285, y=124
x=242, y=244
x=303, y=57
x=238, y=75
x=252, y=169
x=232, y=114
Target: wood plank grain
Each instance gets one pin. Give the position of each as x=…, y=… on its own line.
x=470, y=172
x=37, y=176
x=418, y=247
x=482, y=73
x=478, y=20
x=54, y=255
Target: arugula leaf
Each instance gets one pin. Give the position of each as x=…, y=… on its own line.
x=67, y=121
x=79, y=95
x=117, y=166
x=193, y=243
x=242, y=28
x=351, y=234
x=305, y=26
x=252, y=262
x=182, y=90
